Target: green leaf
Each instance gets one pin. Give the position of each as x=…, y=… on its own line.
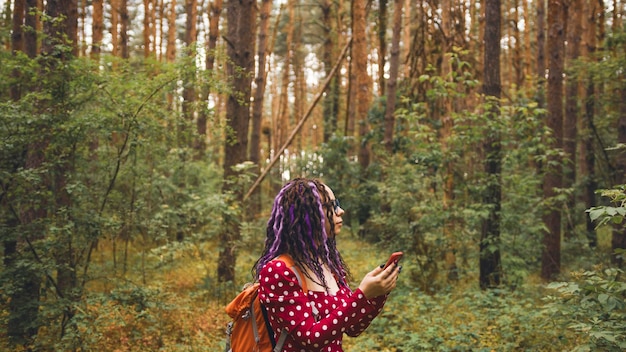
x=595, y=213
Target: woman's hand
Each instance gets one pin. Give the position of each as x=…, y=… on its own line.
x=379, y=281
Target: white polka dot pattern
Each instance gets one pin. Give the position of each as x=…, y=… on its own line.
x=289, y=308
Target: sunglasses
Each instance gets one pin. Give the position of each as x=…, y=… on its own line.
x=336, y=205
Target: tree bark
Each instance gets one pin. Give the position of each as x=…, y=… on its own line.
x=490, y=263
x=189, y=91
x=553, y=174
x=282, y=125
x=586, y=156
x=259, y=93
x=394, y=63
x=124, y=23
x=32, y=24
x=382, y=44
x=570, y=123
x=97, y=28
x=115, y=20
x=447, y=124
x=363, y=83
x=618, y=240
x=298, y=74
x=330, y=103
x=541, y=53
x=17, y=42
x=170, y=52
x=23, y=305
x=215, y=10
x=240, y=33
x=518, y=62
x=147, y=30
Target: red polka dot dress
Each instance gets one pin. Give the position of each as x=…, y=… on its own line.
x=289, y=308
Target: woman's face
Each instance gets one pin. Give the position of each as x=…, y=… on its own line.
x=337, y=212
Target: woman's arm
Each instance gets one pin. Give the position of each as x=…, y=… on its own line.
x=375, y=307
x=289, y=308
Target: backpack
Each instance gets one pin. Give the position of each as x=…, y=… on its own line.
x=250, y=329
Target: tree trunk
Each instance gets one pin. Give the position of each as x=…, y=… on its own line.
x=124, y=19
x=394, y=63
x=298, y=73
x=382, y=44
x=330, y=106
x=17, y=42
x=240, y=33
x=189, y=91
x=570, y=123
x=586, y=158
x=32, y=24
x=618, y=241
x=215, y=10
x=553, y=174
x=447, y=124
x=81, y=28
x=147, y=30
x=363, y=83
x=541, y=53
x=518, y=62
x=115, y=20
x=282, y=125
x=526, y=15
x=259, y=94
x=24, y=298
x=97, y=28
x=170, y=52
x=490, y=264
x=406, y=35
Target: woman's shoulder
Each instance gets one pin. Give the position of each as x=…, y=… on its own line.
x=275, y=268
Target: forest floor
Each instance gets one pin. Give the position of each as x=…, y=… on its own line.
x=460, y=317
x=171, y=301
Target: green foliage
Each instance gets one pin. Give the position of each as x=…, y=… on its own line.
x=593, y=305
x=404, y=192
x=465, y=319
x=610, y=214
x=93, y=159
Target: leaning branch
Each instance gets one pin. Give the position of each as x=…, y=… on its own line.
x=301, y=123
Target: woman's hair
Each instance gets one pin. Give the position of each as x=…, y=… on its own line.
x=296, y=227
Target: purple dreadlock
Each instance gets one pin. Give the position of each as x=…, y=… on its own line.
x=297, y=227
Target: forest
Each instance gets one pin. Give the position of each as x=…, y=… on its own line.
x=143, y=142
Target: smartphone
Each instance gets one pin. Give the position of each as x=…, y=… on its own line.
x=394, y=257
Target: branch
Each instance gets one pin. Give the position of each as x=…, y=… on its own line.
x=302, y=121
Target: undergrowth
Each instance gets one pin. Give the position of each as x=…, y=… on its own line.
x=181, y=308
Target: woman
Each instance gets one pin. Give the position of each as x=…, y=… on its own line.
x=303, y=224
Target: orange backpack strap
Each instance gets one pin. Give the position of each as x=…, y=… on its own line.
x=242, y=302
x=286, y=258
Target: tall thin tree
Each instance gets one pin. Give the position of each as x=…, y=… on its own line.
x=331, y=102
x=490, y=264
x=553, y=172
x=97, y=29
x=570, y=122
x=363, y=82
x=189, y=89
x=382, y=44
x=240, y=23
x=259, y=92
x=394, y=63
x=586, y=156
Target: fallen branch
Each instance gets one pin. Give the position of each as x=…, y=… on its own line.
x=300, y=123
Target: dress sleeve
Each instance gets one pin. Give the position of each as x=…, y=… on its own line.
x=375, y=306
x=289, y=308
